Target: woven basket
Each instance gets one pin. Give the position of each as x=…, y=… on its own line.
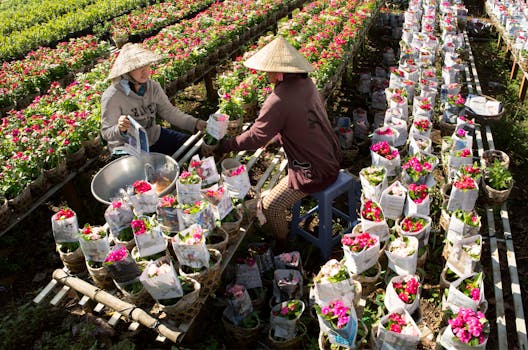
x=5, y=213
x=57, y=174
x=100, y=276
x=38, y=186
x=234, y=127
x=187, y=306
x=241, y=337
x=485, y=119
x=22, y=202
x=324, y=343
x=294, y=343
x=494, y=196
x=93, y=147
x=446, y=129
x=76, y=159
x=489, y=156
x=73, y=261
x=232, y=228
x=207, y=150
x=368, y=284
x=422, y=259
x=350, y=154
x=445, y=218
x=221, y=246
x=210, y=278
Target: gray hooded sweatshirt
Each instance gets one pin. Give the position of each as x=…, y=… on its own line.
x=119, y=100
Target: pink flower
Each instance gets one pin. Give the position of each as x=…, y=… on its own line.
x=141, y=186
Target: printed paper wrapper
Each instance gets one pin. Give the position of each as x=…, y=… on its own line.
x=207, y=169
x=460, y=143
x=403, y=265
x=346, y=139
x=393, y=204
x=454, y=163
x=414, y=148
x=217, y=128
x=144, y=203
x=396, y=113
x=358, y=262
x=165, y=286
x=380, y=229
x=449, y=341
x=457, y=230
x=123, y=271
x=95, y=250
x=287, y=285
x=248, y=276
x=188, y=193
x=422, y=235
x=456, y=299
x=151, y=242
x=389, y=138
x=379, y=101
x=237, y=185
x=460, y=260
x=415, y=131
x=291, y=260
x=462, y=199
x=239, y=308
x=370, y=191
x=392, y=166
x=391, y=340
x=168, y=219
x=66, y=230
x=204, y=218
x=400, y=126
x=282, y=327
x=324, y=292
x=220, y=206
x=118, y=218
x=345, y=336
x=393, y=302
x=413, y=208
x=192, y=255
x=265, y=259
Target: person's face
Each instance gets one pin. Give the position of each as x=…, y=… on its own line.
x=141, y=75
x=274, y=77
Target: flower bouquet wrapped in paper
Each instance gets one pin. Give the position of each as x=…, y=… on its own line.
x=422, y=109
x=346, y=137
x=373, y=181
x=235, y=177
x=333, y=281
x=338, y=321
x=248, y=273
x=291, y=260
x=421, y=126
x=373, y=220
x=464, y=194
x=239, y=304
x=396, y=98
x=471, y=170
x=261, y=252
x=419, y=144
x=467, y=329
x=383, y=155
x=120, y=265
x=457, y=159
x=148, y=236
x=393, y=199
x=284, y=318
x=287, y=285
x=217, y=125
x=94, y=243
x=167, y=212
x=119, y=215
x=465, y=255
x=143, y=198
x=467, y=292
x=402, y=253
x=65, y=226
x=417, y=226
x=361, y=251
x=418, y=200
x=161, y=281
x=463, y=223
x=417, y=169
x=198, y=212
x=205, y=168
x=385, y=134
x=188, y=187
x=189, y=247
x=219, y=200
x=462, y=139
x=400, y=126
x=403, y=292
x=398, y=330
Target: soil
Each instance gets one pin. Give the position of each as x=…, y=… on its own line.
x=28, y=258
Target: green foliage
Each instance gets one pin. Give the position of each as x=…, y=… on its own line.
x=498, y=176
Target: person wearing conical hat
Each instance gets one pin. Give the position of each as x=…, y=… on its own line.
x=132, y=93
x=294, y=114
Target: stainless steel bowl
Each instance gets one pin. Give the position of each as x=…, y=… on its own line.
x=159, y=169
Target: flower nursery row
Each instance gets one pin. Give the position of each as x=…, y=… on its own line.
x=18, y=43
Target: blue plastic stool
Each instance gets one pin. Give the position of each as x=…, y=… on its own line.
x=324, y=240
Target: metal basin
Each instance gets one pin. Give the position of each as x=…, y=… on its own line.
x=159, y=169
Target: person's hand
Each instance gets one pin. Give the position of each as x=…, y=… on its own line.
x=201, y=125
x=123, y=123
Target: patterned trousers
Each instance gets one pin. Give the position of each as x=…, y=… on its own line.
x=278, y=204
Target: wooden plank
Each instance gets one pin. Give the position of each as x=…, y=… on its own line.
x=523, y=87
x=114, y=319
x=468, y=79
x=61, y=294
x=98, y=308
x=268, y=172
x=161, y=338
x=44, y=292
x=83, y=300
x=278, y=174
x=133, y=326
x=520, y=322
x=473, y=67
x=489, y=138
x=515, y=69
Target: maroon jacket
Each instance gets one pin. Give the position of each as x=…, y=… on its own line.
x=295, y=112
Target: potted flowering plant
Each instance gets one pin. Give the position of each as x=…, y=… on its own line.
x=421, y=126
x=167, y=213
x=239, y=304
x=209, y=145
x=361, y=251
x=464, y=193
x=467, y=329
x=333, y=281
x=118, y=215
x=415, y=225
x=95, y=246
x=235, y=177
x=416, y=170
x=373, y=181
x=497, y=183
x=467, y=292
x=261, y=252
x=461, y=139
x=423, y=107
x=284, y=318
x=383, y=155
x=464, y=257
x=199, y=212
x=124, y=271
x=419, y=144
x=188, y=187
x=463, y=223
x=457, y=159
x=222, y=207
x=65, y=226
x=162, y=282
x=393, y=199
x=291, y=260
x=217, y=125
x=398, y=330
x=402, y=253
x=148, y=236
x=387, y=134
x=287, y=284
x=373, y=219
x=472, y=170
x=418, y=200
x=455, y=102
x=143, y=198
x=189, y=247
x=338, y=321
x=403, y=292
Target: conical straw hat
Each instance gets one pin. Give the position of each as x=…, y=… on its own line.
x=132, y=56
x=279, y=56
